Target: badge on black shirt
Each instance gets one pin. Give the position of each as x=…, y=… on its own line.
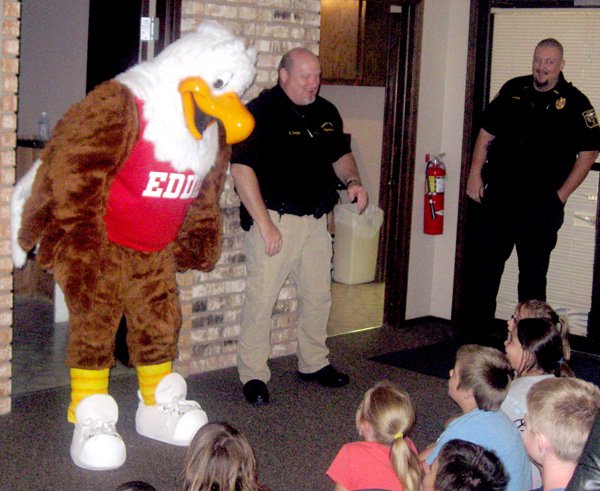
x=560, y=103
x=591, y=121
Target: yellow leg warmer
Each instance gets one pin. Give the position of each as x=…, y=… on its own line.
x=149, y=377
x=86, y=383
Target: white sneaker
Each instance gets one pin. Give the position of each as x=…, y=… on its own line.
x=173, y=419
x=96, y=444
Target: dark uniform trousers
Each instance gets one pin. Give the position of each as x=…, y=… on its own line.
x=504, y=223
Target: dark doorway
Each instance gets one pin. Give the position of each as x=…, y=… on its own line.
x=111, y=54
x=114, y=35
x=477, y=91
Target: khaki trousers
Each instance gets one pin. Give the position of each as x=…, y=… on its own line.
x=306, y=255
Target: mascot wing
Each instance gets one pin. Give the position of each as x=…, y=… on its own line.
x=198, y=244
x=21, y=194
x=66, y=190
x=227, y=70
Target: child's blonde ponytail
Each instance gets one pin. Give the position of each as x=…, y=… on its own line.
x=390, y=413
x=406, y=465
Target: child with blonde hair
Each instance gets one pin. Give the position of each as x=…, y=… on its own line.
x=386, y=458
x=220, y=458
x=560, y=415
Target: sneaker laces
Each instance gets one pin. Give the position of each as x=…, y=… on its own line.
x=180, y=406
x=93, y=427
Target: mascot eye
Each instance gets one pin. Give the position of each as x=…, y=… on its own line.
x=222, y=80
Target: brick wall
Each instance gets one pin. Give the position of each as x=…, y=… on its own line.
x=9, y=18
x=212, y=302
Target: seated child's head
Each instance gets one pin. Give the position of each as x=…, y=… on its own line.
x=465, y=466
x=220, y=457
x=536, y=347
x=538, y=309
x=135, y=486
x=481, y=372
x=386, y=415
x=560, y=414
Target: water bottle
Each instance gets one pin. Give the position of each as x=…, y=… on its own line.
x=44, y=127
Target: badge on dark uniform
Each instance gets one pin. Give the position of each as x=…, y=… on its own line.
x=560, y=103
x=591, y=120
x=328, y=126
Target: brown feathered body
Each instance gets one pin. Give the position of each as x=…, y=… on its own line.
x=101, y=280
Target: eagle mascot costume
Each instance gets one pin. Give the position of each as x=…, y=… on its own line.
x=126, y=193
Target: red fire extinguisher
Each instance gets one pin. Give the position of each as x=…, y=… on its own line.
x=435, y=183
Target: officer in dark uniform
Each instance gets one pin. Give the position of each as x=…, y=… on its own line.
x=285, y=174
x=291, y=151
x=539, y=138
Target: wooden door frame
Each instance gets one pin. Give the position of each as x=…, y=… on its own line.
x=169, y=13
x=398, y=157
x=477, y=93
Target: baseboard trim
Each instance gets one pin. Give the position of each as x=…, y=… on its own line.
x=428, y=319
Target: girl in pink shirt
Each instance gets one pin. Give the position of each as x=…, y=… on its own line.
x=386, y=458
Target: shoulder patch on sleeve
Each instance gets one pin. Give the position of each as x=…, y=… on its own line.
x=591, y=120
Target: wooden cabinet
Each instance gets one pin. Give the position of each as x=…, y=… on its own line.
x=354, y=42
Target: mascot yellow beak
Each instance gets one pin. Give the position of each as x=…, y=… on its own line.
x=201, y=108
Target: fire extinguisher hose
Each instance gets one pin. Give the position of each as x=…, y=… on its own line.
x=429, y=193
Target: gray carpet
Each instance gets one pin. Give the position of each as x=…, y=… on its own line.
x=294, y=438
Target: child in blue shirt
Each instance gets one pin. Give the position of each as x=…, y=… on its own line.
x=479, y=383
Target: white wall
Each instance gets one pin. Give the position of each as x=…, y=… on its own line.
x=439, y=129
x=53, y=60
x=361, y=109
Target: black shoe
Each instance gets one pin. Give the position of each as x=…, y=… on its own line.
x=327, y=376
x=256, y=392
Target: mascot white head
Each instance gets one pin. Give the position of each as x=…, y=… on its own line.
x=193, y=82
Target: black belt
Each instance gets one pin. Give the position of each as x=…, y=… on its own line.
x=289, y=209
x=329, y=200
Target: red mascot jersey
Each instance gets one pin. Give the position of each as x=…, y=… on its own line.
x=147, y=200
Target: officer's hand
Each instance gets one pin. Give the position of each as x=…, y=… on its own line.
x=475, y=187
x=562, y=196
x=359, y=194
x=272, y=237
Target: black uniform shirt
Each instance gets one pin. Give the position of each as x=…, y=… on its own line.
x=537, y=136
x=291, y=151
